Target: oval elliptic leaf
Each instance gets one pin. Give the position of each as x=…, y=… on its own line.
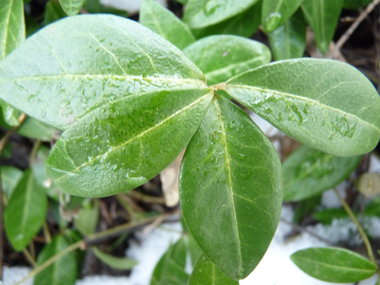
x=114, y=57
x=231, y=189
x=322, y=16
x=160, y=20
x=324, y=104
x=10, y=176
x=221, y=57
x=289, y=40
x=63, y=271
x=113, y=261
x=88, y=218
x=336, y=265
x=25, y=212
x=203, y=13
x=71, y=7
x=309, y=172
x=276, y=12
x=206, y=272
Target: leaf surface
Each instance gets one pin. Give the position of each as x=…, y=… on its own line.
x=31, y=128
x=53, y=12
x=206, y=272
x=309, y=172
x=10, y=176
x=162, y=21
x=231, y=183
x=276, y=12
x=71, y=7
x=25, y=212
x=113, y=261
x=336, y=265
x=221, y=57
x=203, y=13
x=88, y=218
x=94, y=6
x=324, y=104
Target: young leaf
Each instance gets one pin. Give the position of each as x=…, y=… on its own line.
x=336, y=265
x=160, y=20
x=276, y=12
x=322, y=16
x=10, y=176
x=71, y=7
x=88, y=218
x=324, y=104
x=53, y=12
x=289, y=40
x=25, y=212
x=309, y=172
x=61, y=272
x=203, y=13
x=205, y=272
x=224, y=190
x=221, y=57
x=114, y=262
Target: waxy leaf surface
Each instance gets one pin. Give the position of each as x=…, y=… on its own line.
x=221, y=57
x=25, y=212
x=71, y=7
x=203, y=13
x=322, y=16
x=113, y=261
x=276, y=12
x=206, y=272
x=162, y=21
x=336, y=265
x=289, y=40
x=231, y=189
x=324, y=104
x=309, y=172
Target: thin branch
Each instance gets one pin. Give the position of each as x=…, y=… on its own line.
x=7, y=136
x=29, y=257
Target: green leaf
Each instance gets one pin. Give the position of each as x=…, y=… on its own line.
x=203, y=13
x=31, y=25
x=221, y=57
x=61, y=272
x=31, y=128
x=289, y=40
x=244, y=24
x=305, y=207
x=25, y=212
x=276, y=12
x=336, y=265
x=324, y=104
x=309, y=172
x=9, y=114
x=170, y=270
x=94, y=6
x=114, y=262
x=53, y=12
x=355, y=4
x=163, y=22
x=88, y=218
x=322, y=16
x=327, y=216
x=205, y=272
x=373, y=207
x=10, y=176
x=71, y=7
x=224, y=190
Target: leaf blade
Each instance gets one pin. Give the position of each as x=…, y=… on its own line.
x=71, y=7
x=113, y=261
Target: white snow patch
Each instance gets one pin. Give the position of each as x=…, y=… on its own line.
x=132, y=6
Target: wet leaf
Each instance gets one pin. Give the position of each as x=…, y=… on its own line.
x=324, y=104
x=61, y=272
x=289, y=40
x=309, y=172
x=10, y=176
x=276, y=12
x=88, y=217
x=203, y=13
x=25, y=212
x=113, y=261
x=163, y=22
x=53, y=12
x=224, y=190
x=322, y=16
x=221, y=57
x=71, y=7
x=205, y=272
x=336, y=265
x=369, y=184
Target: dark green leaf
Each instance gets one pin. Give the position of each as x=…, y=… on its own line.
x=355, y=4
x=203, y=13
x=114, y=262
x=71, y=7
x=31, y=25
x=309, y=172
x=230, y=203
x=221, y=57
x=324, y=104
x=160, y=20
x=373, y=207
x=322, y=16
x=336, y=265
x=31, y=128
x=305, y=207
x=94, y=6
x=61, y=272
x=53, y=12
x=327, y=216
x=25, y=212
x=88, y=217
x=10, y=176
x=276, y=12
x=289, y=40
x=205, y=272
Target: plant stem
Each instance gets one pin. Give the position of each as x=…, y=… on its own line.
x=46, y=233
x=7, y=136
x=29, y=257
x=360, y=228
x=33, y=154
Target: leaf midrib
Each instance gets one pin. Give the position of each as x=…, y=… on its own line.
x=302, y=99
x=6, y=28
